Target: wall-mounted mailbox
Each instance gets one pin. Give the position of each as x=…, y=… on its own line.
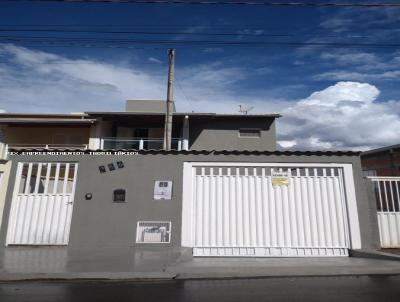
x=163, y=189
x=119, y=195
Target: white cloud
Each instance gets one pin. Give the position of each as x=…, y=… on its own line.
x=154, y=60
x=349, y=20
x=212, y=50
x=349, y=92
x=343, y=75
x=352, y=58
x=363, y=66
x=287, y=144
x=36, y=81
x=343, y=116
x=263, y=70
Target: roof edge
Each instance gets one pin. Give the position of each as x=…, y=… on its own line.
x=191, y=152
x=206, y=114
x=379, y=150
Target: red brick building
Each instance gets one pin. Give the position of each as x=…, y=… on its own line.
x=381, y=162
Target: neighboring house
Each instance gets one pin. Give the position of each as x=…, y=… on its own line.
x=223, y=191
x=382, y=167
x=49, y=131
x=381, y=162
x=140, y=127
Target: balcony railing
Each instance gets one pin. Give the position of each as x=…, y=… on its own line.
x=49, y=146
x=139, y=143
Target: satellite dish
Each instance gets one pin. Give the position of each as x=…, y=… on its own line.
x=245, y=109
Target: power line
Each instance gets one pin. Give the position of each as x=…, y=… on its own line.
x=237, y=34
x=146, y=32
x=158, y=25
x=195, y=43
x=263, y=3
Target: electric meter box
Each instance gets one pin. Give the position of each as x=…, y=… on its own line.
x=163, y=190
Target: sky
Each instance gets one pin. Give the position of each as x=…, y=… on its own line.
x=330, y=96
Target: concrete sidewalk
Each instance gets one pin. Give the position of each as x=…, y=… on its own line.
x=284, y=267
x=33, y=263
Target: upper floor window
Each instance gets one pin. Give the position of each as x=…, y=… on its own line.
x=252, y=133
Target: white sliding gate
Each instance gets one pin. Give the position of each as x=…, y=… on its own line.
x=41, y=208
x=387, y=194
x=232, y=209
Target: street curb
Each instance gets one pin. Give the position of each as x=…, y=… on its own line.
x=165, y=277
x=97, y=276
x=374, y=255
x=368, y=274
x=183, y=277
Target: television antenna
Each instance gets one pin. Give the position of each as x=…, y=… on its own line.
x=245, y=109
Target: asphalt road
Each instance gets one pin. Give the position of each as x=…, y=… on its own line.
x=378, y=288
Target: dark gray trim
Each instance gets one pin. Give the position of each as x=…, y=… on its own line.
x=195, y=152
x=202, y=114
x=383, y=149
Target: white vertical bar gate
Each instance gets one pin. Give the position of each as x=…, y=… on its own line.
x=41, y=208
x=387, y=194
x=236, y=210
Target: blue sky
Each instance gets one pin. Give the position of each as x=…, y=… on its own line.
x=330, y=97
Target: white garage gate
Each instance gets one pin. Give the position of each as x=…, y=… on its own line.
x=232, y=209
x=42, y=203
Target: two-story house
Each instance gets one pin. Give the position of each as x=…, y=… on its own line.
x=224, y=190
x=140, y=127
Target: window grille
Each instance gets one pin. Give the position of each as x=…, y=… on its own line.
x=47, y=178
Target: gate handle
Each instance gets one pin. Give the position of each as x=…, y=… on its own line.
x=69, y=202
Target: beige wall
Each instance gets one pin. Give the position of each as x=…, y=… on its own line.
x=5, y=168
x=46, y=135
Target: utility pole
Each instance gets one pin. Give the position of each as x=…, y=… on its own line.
x=170, y=100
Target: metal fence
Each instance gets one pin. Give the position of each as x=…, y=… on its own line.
x=387, y=194
x=139, y=143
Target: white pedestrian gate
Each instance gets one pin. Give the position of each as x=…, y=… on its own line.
x=245, y=210
x=387, y=194
x=41, y=208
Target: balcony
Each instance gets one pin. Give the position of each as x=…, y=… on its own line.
x=140, y=143
x=49, y=146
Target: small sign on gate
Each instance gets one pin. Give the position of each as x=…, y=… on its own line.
x=280, y=178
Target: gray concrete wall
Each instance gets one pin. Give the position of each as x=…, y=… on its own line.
x=101, y=223
x=154, y=106
x=372, y=212
x=5, y=167
x=223, y=134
